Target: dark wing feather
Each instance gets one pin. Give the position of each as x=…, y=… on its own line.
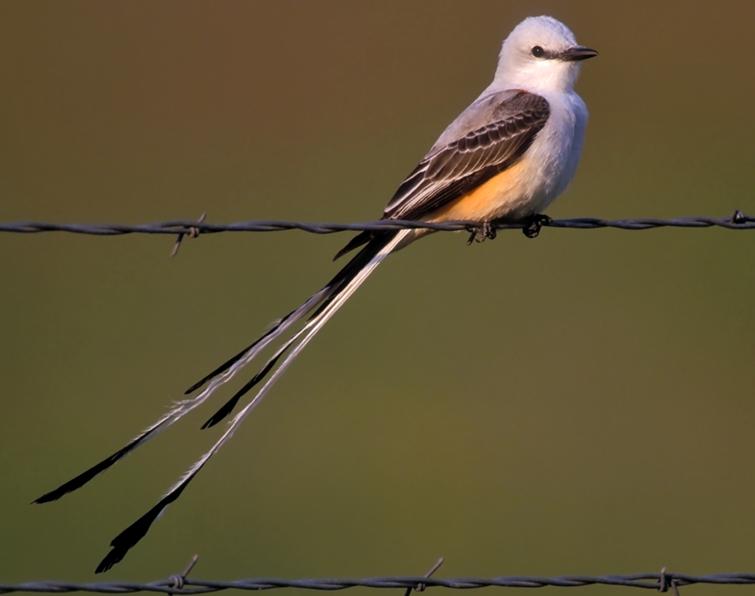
x=459, y=166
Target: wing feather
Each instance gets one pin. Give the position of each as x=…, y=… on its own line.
x=487, y=138
x=493, y=135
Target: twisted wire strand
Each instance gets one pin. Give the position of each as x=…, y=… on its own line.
x=181, y=585
x=737, y=221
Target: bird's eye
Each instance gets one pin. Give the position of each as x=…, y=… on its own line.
x=538, y=52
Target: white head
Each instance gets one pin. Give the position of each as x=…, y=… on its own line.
x=541, y=54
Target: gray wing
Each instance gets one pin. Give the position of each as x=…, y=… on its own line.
x=487, y=138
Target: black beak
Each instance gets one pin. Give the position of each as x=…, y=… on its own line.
x=578, y=53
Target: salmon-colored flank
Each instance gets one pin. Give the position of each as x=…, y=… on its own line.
x=490, y=200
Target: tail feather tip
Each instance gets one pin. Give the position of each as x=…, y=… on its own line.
x=110, y=559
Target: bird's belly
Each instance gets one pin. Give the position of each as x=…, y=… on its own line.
x=504, y=195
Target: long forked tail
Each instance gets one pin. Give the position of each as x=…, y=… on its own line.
x=323, y=304
x=364, y=264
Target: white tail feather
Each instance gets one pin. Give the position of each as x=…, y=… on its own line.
x=311, y=329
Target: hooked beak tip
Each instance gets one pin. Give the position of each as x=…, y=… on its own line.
x=578, y=53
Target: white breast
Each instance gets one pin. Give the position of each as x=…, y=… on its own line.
x=553, y=157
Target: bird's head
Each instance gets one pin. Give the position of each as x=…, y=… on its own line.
x=541, y=54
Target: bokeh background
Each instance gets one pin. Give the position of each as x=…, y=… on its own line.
x=582, y=403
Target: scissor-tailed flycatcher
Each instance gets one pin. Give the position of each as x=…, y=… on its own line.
x=508, y=155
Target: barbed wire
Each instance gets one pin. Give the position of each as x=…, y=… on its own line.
x=736, y=221
x=663, y=582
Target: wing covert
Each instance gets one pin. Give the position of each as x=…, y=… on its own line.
x=490, y=136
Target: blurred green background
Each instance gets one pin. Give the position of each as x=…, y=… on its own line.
x=582, y=403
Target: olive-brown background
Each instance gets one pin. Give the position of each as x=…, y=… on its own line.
x=582, y=403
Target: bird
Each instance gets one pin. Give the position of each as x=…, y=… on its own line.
x=508, y=155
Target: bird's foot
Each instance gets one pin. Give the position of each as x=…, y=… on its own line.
x=532, y=225
x=484, y=231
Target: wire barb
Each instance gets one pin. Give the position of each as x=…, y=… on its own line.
x=192, y=233
x=737, y=221
x=179, y=581
x=663, y=581
x=421, y=587
x=667, y=580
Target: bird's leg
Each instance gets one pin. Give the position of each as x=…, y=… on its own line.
x=532, y=225
x=484, y=231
